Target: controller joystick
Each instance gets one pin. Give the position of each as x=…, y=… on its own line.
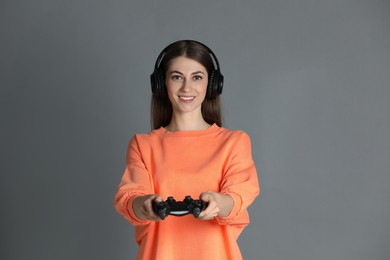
x=179, y=208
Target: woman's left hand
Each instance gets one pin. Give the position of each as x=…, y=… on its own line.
x=220, y=205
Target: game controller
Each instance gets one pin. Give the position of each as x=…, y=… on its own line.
x=179, y=208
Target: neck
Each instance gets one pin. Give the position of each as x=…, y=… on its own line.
x=183, y=123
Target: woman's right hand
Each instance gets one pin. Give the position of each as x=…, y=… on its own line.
x=143, y=208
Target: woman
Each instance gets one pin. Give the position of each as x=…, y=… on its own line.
x=188, y=153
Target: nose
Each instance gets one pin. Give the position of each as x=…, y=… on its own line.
x=186, y=86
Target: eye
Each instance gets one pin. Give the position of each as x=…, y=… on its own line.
x=176, y=77
x=198, y=77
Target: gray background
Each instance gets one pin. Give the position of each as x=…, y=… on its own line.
x=308, y=81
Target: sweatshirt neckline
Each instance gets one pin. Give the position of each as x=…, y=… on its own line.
x=188, y=133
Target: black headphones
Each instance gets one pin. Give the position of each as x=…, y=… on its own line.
x=215, y=81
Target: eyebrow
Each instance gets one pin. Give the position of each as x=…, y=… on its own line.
x=196, y=72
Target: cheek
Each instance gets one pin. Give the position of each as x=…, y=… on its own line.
x=203, y=90
x=169, y=89
x=171, y=94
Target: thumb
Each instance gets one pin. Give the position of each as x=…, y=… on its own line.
x=205, y=196
x=157, y=198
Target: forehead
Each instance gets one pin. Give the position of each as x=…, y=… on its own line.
x=184, y=64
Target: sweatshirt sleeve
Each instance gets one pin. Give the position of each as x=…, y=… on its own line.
x=136, y=181
x=240, y=180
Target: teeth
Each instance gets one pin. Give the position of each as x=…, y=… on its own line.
x=186, y=98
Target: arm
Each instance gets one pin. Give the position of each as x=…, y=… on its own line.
x=133, y=199
x=239, y=186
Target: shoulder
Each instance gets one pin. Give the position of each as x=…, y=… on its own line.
x=141, y=139
x=235, y=134
x=238, y=143
x=236, y=139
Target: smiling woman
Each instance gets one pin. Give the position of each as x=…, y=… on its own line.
x=188, y=153
x=161, y=109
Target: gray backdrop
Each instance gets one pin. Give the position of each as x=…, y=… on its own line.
x=308, y=81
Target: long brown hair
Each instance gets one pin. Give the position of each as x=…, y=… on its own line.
x=161, y=107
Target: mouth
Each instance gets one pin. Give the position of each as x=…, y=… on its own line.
x=186, y=98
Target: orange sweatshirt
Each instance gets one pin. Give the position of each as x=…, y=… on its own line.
x=188, y=163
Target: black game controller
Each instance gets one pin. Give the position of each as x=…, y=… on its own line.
x=179, y=208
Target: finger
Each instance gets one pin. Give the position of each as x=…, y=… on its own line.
x=212, y=204
x=209, y=214
x=147, y=209
x=205, y=196
x=208, y=217
x=150, y=215
x=213, y=212
x=157, y=198
x=153, y=215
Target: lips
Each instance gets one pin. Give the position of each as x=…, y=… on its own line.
x=186, y=98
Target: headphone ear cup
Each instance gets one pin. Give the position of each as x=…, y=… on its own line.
x=157, y=83
x=215, y=85
x=153, y=82
x=210, y=86
x=218, y=83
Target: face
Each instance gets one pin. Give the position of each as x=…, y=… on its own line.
x=186, y=82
